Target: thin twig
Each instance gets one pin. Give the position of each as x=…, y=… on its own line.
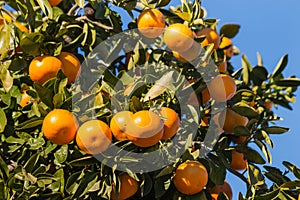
x=95, y=23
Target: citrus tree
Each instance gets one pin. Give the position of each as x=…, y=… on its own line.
x=143, y=105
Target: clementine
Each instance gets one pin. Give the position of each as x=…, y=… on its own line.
x=60, y=126
x=225, y=188
x=70, y=66
x=227, y=46
x=128, y=187
x=178, y=37
x=171, y=122
x=93, y=137
x=43, y=68
x=151, y=23
x=189, y=55
x=146, y=128
x=211, y=37
x=119, y=124
x=25, y=99
x=54, y=2
x=237, y=161
x=190, y=177
x=233, y=119
x=222, y=88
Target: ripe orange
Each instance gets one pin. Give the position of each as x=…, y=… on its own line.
x=128, y=187
x=268, y=105
x=227, y=45
x=119, y=123
x=54, y=2
x=178, y=37
x=190, y=177
x=43, y=68
x=171, y=122
x=225, y=188
x=70, y=66
x=233, y=119
x=222, y=67
x=60, y=126
x=189, y=55
x=25, y=99
x=151, y=23
x=237, y=161
x=211, y=37
x=222, y=88
x=239, y=139
x=205, y=96
x=93, y=137
x=146, y=128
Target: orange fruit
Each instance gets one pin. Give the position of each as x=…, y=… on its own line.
x=239, y=139
x=237, y=161
x=70, y=66
x=25, y=99
x=211, y=37
x=205, y=96
x=222, y=67
x=227, y=45
x=233, y=119
x=146, y=128
x=151, y=23
x=128, y=187
x=178, y=37
x=60, y=126
x=268, y=105
x=190, y=177
x=222, y=88
x=21, y=27
x=54, y=2
x=189, y=55
x=225, y=188
x=171, y=122
x=43, y=68
x=119, y=123
x=93, y=137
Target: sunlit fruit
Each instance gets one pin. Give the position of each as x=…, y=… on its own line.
x=227, y=46
x=178, y=37
x=119, y=124
x=70, y=66
x=60, y=126
x=94, y=137
x=151, y=23
x=233, y=119
x=222, y=88
x=211, y=37
x=190, y=177
x=171, y=122
x=128, y=187
x=189, y=55
x=237, y=161
x=217, y=189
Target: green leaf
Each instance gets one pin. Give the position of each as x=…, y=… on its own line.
x=84, y=161
x=247, y=68
x=255, y=176
x=253, y=156
x=288, y=82
x=3, y=169
x=84, y=184
x=241, y=131
x=280, y=66
x=46, y=7
x=165, y=171
x=276, y=130
x=45, y=94
x=80, y=3
x=230, y=30
x=160, y=86
x=6, y=78
x=31, y=43
x=71, y=182
x=267, y=196
x=263, y=147
x=258, y=75
x=245, y=110
x=162, y=3
x=32, y=163
x=29, y=124
x=3, y=120
x=61, y=154
x=292, y=168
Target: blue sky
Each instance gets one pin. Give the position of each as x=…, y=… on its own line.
x=271, y=28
